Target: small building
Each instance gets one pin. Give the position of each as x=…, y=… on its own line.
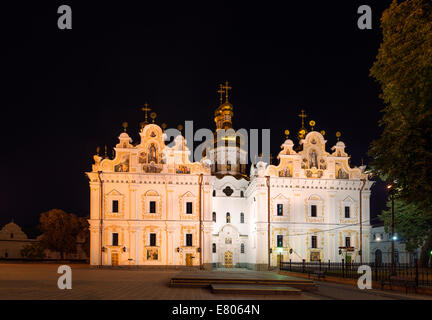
x=381, y=243
x=12, y=241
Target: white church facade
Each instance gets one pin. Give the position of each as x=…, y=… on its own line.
x=151, y=206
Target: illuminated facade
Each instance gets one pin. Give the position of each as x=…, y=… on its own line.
x=150, y=206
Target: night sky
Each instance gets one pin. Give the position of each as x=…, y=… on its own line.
x=65, y=92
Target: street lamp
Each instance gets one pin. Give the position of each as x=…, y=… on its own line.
x=391, y=192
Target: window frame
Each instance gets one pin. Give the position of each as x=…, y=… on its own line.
x=117, y=206
x=115, y=236
x=189, y=205
x=314, y=242
x=348, y=241
x=280, y=206
x=313, y=209
x=152, y=202
x=349, y=212
x=189, y=236
x=279, y=240
x=152, y=236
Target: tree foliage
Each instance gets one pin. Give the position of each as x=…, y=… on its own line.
x=403, y=68
x=411, y=223
x=403, y=152
x=33, y=251
x=60, y=231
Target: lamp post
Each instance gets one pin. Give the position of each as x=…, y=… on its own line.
x=268, y=221
x=391, y=191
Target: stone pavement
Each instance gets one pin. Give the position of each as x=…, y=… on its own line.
x=39, y=282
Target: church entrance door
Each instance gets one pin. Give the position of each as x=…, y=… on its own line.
x=279, y=260
x=228, y=259
x=114, y=259
x=189, y=259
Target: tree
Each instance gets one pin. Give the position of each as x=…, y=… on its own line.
x=59, y=231
x=33, y=251
x=403, y=68
x=413, y=225
x=84, y=235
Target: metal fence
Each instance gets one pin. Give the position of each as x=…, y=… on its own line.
x=422, y=276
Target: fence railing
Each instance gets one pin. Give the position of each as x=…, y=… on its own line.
x=422, y=276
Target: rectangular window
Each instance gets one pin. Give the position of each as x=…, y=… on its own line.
x=152, y=239
x=214, y=247
x=152, y=206
x=241, y=217
x=188, y=207
x=115, y=206
x=280, y=241
x=189, y=239
x=280, y=209
x=347, y=212
x=115, y=239
x=313, y=210
x=214, y=216
x=347, y=241
x=314, y=242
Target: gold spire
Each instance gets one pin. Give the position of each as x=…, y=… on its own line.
x=224, y=113
x=338, y=135
x=97, y=150
x=124, y=125
x=287, y=132
x=226, y=87
x=106, y=153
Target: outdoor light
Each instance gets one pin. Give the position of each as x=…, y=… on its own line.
x=378, y=239
x=291, y=251
x=124, y=249
x=178, y=249
x=394, y=237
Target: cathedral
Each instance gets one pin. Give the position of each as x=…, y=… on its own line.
x=151, y=206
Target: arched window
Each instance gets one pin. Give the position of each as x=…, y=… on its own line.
x=228, y=218
x=228, y=165
x=241, y=217
x=214, y=247
x=214, y=217
x=378, y=256
x=242, y=194
x=214, y=193
x=242, y=248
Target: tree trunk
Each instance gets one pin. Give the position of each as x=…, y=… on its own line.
x=425, y=251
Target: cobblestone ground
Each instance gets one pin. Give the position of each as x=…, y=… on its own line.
x=39, y=281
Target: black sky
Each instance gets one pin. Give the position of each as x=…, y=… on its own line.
x=65, y=92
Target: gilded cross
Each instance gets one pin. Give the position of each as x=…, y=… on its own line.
x=302, y=115
x=146, y=109
x=226, y=87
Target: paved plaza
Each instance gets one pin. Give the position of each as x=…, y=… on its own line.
x=39, y=281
